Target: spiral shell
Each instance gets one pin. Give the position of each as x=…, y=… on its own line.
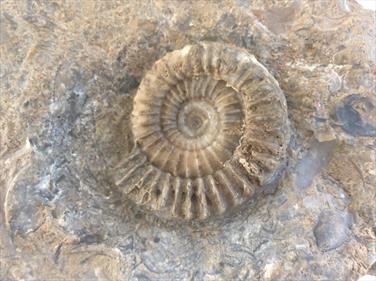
x=210, y=127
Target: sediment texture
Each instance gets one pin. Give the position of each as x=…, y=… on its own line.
x=70, y=77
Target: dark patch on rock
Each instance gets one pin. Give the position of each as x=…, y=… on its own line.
x=57, y=253
x=142, y=277
x=91, y=238
x=312, y=163
x=354, y=115
x=228, y=20
x=25, y=219
x=331, y=230
x=372, y=269
x=126, y=83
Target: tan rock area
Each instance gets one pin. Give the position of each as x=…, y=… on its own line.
x=69, y=74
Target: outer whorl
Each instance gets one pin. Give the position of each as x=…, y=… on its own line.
x=210, y=127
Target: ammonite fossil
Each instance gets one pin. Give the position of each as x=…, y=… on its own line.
x=210, y=127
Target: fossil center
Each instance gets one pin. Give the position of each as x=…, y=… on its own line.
x=195, y=117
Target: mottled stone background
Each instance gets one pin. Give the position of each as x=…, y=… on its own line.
x=69, y=71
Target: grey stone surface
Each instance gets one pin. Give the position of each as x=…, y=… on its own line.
x=69, y=71
x=331, y=230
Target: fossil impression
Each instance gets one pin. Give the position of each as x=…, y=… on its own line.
x=210, y=127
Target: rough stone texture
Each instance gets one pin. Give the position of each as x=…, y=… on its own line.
x=69, y=71
x=331, y=230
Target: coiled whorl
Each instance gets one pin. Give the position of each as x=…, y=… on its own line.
x=210, y=126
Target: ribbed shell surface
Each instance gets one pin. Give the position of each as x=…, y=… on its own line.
x=210, y=127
